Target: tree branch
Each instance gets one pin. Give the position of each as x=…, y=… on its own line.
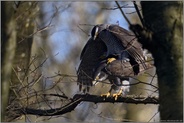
x=143, y=34
x=122, y=13
x=90, y=98
x=139, y=14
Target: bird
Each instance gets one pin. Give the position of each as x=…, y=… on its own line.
x=91, y=56
x=120, y=42
x=117, y=72
x=109, y=45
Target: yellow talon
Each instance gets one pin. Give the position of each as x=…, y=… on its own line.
x=109, y=60
x=117, y=94
x=106, y=95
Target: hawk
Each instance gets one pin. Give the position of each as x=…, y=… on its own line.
x=109, y=51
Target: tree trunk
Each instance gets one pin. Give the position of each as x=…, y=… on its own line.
x=8, y=51
x=165, y=20
x=16, y=50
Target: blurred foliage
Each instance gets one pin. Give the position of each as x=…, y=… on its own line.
x=61, y=30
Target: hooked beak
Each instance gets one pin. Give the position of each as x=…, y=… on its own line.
x=96, y=33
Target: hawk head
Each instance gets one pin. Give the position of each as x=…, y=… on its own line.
x=97, y=29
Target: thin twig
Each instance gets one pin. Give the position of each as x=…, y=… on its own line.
x=86, y=25
x=126, y=19
x=124, y=6
x=123, y=13
x=139, y=14
x=153, y=116
x=83, y=30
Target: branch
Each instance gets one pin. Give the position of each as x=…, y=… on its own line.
x=139, y=14
x=114, y=8
x=144, y=35
x=90, y=98
x=120, y=99
x=122, y=13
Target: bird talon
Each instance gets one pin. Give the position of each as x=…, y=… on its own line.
x=109, y=60
x=106, y=95
x=117, y=94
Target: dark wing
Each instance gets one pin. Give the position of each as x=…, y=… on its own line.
x=122, y=44
x=85, y=47
x=90, y=58
x=133, y=47
x=114, y=45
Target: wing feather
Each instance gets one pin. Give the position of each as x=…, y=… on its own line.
x=91, y=57
x=114, y=46
x=128, y=40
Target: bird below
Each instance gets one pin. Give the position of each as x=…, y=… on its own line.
x=117, y=72
x=107, y=42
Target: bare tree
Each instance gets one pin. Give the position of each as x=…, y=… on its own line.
x=17, y=41
x=8, y=51
x=160, y=33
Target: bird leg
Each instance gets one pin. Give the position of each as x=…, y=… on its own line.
x=118, y=93
x=114, y=95
x=107, y=94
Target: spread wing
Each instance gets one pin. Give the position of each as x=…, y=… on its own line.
x=129, y=41
x=91, y=56
x=114, y=45
x=85, y=47
x=111, y=40
x=122, y=43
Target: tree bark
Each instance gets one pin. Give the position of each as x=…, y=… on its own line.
x=165, y=20
x=8, y=52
